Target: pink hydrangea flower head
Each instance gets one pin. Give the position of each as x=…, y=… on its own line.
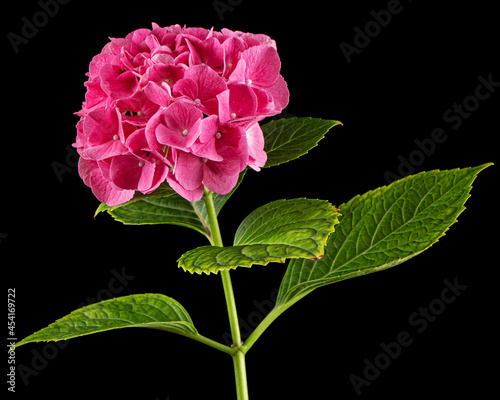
x=177, y=105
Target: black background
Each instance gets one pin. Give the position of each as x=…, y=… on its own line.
x=394, y=91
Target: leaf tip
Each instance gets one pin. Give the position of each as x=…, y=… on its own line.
x=102, y=207
x=485, y=165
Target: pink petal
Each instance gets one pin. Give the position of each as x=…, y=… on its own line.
x=201, y=84
x=232, y=49
x=210, y=84
x=198, y=33
x=160, y=174
x=186, y=87
x=265, y=102
x=95, y=96
x=189, y=170
x=158, y=93
x=85, y=169
x=259, y=66
x=194, y=55
x=163, y=72
x=139, y=108
x=136, y=143
x=257, y=157
x=221, y=177
x=103, y=189
x=208, y=52
x=205, y=144
x=190, y=195
x=236, y=139
x=263, y=65
x=160, y=150
x=223, y=107
x=118, y=84
x=178, y=127
x=104, y=134
x=153, y=167
x=131, y=172
x=212, y=54
x=98, y=62
x=239, y=72
x=242, y=101
x=138, y=36
x=208, y=128
x=280, y=93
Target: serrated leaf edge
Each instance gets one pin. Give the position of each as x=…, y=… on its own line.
x=306, y=120
x=167, y=326
x=321, y=243
x=289, y=296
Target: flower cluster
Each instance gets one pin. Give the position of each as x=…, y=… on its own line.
x=180, y=105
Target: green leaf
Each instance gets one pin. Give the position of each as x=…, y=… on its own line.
x=383, y=228
x=289, y=138
x=171, y=210
x=163, y=190
x=272, y=233
x=165, y=206
x=154, y=311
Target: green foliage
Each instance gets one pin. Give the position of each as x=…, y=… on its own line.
x=289, y=138
x=165, y=206
x=383, y=228
x=286, y=140
x=154, y=311
x=272, y=233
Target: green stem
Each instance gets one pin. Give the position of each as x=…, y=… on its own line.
x=259, y=330
x=240, y=373
x=268, y=320
x=210, y=342
x=238, y=356
x=216, y=239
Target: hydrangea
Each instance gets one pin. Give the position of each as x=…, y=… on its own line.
x=180, y=105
